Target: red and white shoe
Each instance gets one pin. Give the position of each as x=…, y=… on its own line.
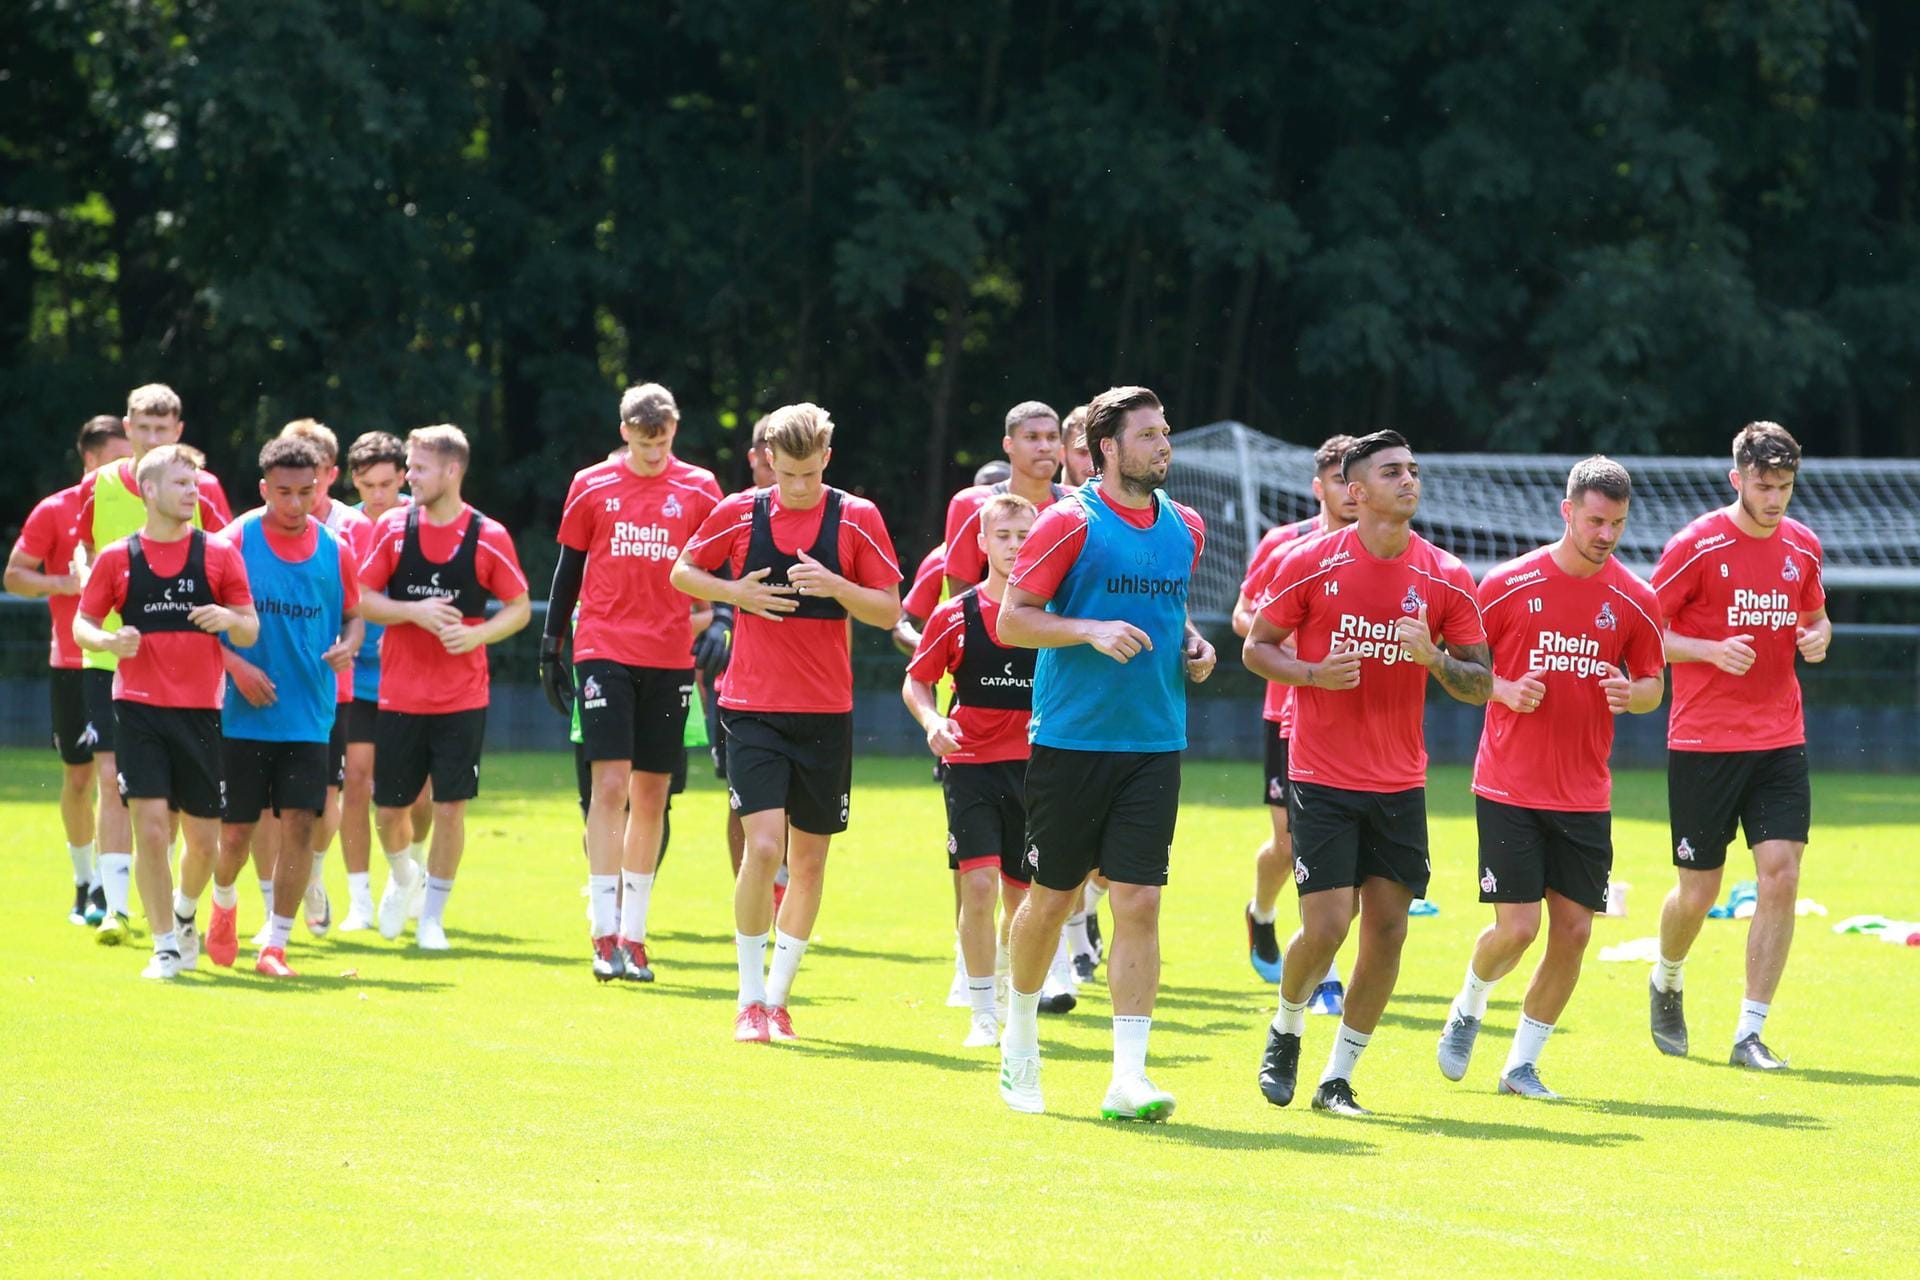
x=750, y=1025
x=637, y=968
x=273, y=963
x=606, y=958
x=222, y=943
x=779, y=1025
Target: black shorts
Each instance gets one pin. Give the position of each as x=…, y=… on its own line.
x=1106, y=811
x=74, y=736
x=96, y=688
x=408, y=749
x=583, y=777
x=633, y=713
x=279, y=777
x=1341, y=838
x=171, y=754
x=1275, y=786
x=1525, y=852
x=987, y=816
x=798, y=761
x=361, y=715
x=1767, y=794
x=337, y=746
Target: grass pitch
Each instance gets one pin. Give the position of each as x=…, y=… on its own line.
x=494, y=1111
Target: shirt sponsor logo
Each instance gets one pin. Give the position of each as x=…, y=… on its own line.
x=1519, y=578
x=1337, y=558
x=1575, y=655
x=1711, y=540
x=1130, y=584
x=1605, y=620
x=646, y=541
x=1770, y=610
x=1006, y=681
x=1371, y=639
x=292, y=609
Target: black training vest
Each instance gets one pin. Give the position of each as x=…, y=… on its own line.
x=155, y=603
x=457, y=581
x=1059, y=491
x=762, y=554
x=990, y=674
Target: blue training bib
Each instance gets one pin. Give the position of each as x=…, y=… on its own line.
x=300, y=608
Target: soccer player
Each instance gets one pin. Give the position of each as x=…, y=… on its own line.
x=1100, y=590
x=1273, y=861
x=112, y=508
x=623, y=526
x=1373, y=609
x=170, y=591
x=426, y=578
x=47, y=562
x=982, y=741
x=1576, y=641
x=1032, y=445
x=277, y=727
x=1740, y=588
x=804, y=558
x=1076, y=462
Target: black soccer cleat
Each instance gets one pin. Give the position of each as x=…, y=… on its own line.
x=1669, y=1020
x=1279, y=1067
x=1336, y=1098
x=1093, y=935
x=1754, y=1056
x=77, y=914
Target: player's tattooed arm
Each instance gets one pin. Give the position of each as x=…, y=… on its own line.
x=1466, y=672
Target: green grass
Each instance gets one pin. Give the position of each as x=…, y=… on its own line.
x=493, y=1111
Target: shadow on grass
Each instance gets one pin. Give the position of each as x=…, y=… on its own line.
x=1499, y=1131
x=1193, y=1135
x=1821, y=1075
x=984, y=1065
x=307, y=982
x=462, y=949
x=1677, y=1111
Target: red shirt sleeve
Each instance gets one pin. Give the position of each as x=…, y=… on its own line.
x=376, y=563
x=1197, y=526
x=497, y=564
x=940, y=644
x=106, y=588
x=866, y=548
x=714, y=541
x=1286, y=605
x=1458, y=619
x=1676, y=580
x=1050, y=550
x=84, y=521
x=37, y=535
x=1646, y=649
x=227, y=574
x=576, y=523
x=1813, y=591
x=965, y=560
x=924, y=596
x=215, y=512
x=349, y=577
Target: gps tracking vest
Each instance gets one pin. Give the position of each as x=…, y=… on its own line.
x=117, y=512
x=990, y=675
x=457, y=581
x=155, y=603
x=300, y=604
x=762, y=554
x=1084, y=700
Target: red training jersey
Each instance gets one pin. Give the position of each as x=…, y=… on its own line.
x=795, y=664
x=929, y=580
x=1061, y=531
x=965, y=560
x=1574, y=631
x=355, y=531
x=215, y=514
x=49, y=538
x=172, y=668
x=1715, y=581
x=632, y=528
x=1370, y=737
x=1277, y=706
x=417, y=674
x=987, y=734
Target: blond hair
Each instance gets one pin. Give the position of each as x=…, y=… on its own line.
x=159, y=461
x=799, y=430
x=648, y=409
x=156, y=399
x=1005, y=506
x=444, y=439
x=1074, y=427
x=317, y=434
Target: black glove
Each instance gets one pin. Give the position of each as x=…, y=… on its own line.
x=556, y=675
x=714, y=648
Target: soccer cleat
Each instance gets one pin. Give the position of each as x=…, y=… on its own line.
x=957, y=989
x=319, y=912
x=188, y=935
x=113, y=929
x=393, y=906
x=983, y=1033
x=96, y=905
x=1136, y=1098
x=606, y=958
x=1456, y=1043
x=1083, y=966
x=1279, y=1067
x=77, y=914
x=272, y=961
x=1329, y=998
x=1020, y=1084
x=359, y=918
x=636, y=968
x=1263, y=948
x=1056, y=996
x=1093, y=934
x=430, y=935
x=1669, y=1018
x=750, y=1024
x=223, y=936
x=264, y=936
x=163, y=965
x=1753, y=1055
x=1524, y=1081
x=1336, y=1098
x=780, y=1024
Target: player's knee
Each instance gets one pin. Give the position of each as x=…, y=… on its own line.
x=1516, y=931
x=1780, y=878
x=1325, y=930
x=1135, y=906
x=978, y=889
x=77, y=781
x=1573, y=931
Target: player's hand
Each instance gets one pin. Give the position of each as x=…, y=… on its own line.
x=1734, y=655
x=1416, y=638
x=811, y=578
x=753, y=593
x=212, y=618
x=125, y=642
x=255, y=685
x=714, y=648
x=339, y=655
x=1118, y=640
x=434, y=614
x=1523, y=695
x=556, y=675
x=1200, y=659
x=1812, y=642
x=943, y=736
x=1619, y=691
x=1340, y=669
x=457, y=637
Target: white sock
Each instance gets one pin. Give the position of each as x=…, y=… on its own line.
x=1529, y=1038
x=752, y=950
x=1347, y=1047
x=980, y=996
x=360, y=889
x=435, y=908
x=1095, y=892
x=82, y=855
x=1333, y=970
x=116, y=878
x=226, y=896
x=1753, y=1019
x=1667, y=975
x=1472, y=1000
x=184, y=908
x=279, y=929
x=1022, y=1038
x=1077, y=939
x=402, y=867
x=636, y=891
x=603, y=893
x=787, y=951
x=1291, y=1019
x=418, y=852
x=1268, y=916
x=165, y=942
x=1130, y=1045
x=1002, y=960
x=266, y=895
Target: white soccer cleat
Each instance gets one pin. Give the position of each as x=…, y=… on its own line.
x=1136, y=1098
x=430, y=935
x=262, y=938
x=1020, y=1084
x=319, y=910
x=188, y=937
x=1057, y=993
x=957, y=990
x=393, y=907
x=163, y=965
x=984, y=1032
x=359, y=919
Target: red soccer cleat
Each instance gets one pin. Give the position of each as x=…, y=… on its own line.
x=779, y=1025
x=273, y=963
x=750, y=1025
x=637, y=968
x=223, y=936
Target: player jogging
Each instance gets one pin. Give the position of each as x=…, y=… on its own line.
x=804, y=558
x=1373, y=609
x=1101, y=590
x=171, y=592
x=47, y=561
x=426, y=578
x=1032, y=445
x=1741, y=591
x=1576, y=641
